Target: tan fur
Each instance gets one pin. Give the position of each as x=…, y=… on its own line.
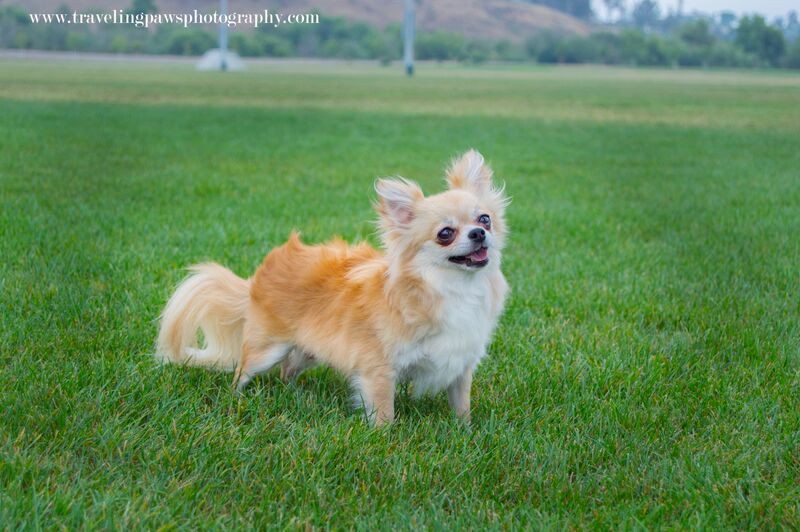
x=212, y=299
x=351, y=307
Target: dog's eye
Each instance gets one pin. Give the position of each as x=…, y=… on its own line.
x=446, y=235
x=485, y=221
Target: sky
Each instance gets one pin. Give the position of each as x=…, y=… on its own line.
x=769, y=8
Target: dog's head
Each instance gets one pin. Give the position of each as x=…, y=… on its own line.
x=461, y=229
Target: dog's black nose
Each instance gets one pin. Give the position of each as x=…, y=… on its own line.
x=477, y=235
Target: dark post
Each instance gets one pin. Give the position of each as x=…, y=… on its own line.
x=408, y=38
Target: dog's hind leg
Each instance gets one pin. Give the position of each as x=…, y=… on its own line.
x=257, y=360
x=296, y=362
x=261, y=351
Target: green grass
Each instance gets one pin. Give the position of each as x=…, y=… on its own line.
x=646, y=372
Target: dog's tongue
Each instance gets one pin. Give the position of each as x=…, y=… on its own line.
x=478, y=255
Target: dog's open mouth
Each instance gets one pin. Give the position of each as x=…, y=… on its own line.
x=477, y=259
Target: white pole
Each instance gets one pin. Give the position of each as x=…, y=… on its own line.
x=408, y=38
x=223, y=35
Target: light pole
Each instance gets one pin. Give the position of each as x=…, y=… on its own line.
x=408, y=38
x=223, y=35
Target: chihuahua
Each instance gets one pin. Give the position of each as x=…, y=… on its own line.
x=421, y=310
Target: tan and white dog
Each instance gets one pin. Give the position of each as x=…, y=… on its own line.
x=423, y=310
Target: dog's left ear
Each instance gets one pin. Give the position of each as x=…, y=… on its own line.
x=471, y=172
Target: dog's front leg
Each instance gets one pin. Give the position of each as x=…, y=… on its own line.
x=377, y=391
x=458, y=394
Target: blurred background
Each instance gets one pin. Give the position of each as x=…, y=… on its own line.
x=644, y=375
x=674, y=33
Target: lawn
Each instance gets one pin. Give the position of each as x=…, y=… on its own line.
x=646, y=372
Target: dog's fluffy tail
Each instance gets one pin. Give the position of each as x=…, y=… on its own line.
x=212, y=299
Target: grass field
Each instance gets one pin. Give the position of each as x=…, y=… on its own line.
x=646, y=372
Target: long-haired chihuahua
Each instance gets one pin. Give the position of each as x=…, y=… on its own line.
x=423, y=309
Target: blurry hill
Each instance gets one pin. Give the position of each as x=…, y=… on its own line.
x=486, y=19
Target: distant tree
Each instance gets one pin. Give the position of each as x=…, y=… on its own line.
x=727, y=18
x=672, y=22
x=14, y=31
x=581, y=9
x=15, y=14
x=245, y=44
x=638, y=48
x=725, y=25
x=142, y=6
x=646, y=14
x=754, y=36
x=275, y=46
x=77, y=41
x=192, y=41
x=792, y=58
x=477, y=51
x=119, y=44
x=727, y=54
x=614, y=7
x=696, y=33
x=509, y=51
x=439, y=45
x=792, y=28
x=51, y=36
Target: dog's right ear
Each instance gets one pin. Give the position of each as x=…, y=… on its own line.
x=398, y=201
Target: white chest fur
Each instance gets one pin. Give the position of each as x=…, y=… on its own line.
x=459, y=339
